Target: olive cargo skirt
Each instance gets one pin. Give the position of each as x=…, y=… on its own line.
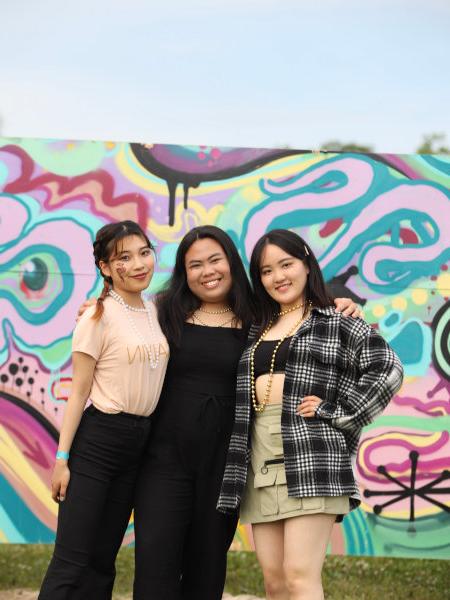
x=266, y=497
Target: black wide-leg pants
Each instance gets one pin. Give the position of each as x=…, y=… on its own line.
x=92, y=520
x=181, y=539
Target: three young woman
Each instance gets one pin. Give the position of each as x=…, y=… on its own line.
x=205, y=311
x=119, y=361
x=308, y=381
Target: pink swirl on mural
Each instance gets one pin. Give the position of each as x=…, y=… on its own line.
x=433, y=449
x=13, y=218
x=431, y=408
x=402, y=166
x=96, y=188
x=359, y=174
x=421, y=199
x=38, y=446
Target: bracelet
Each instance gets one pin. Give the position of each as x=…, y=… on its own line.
x=62, y=454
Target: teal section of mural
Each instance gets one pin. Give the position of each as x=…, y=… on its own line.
x=377, y=224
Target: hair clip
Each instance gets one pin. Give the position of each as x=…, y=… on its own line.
x=306, y=250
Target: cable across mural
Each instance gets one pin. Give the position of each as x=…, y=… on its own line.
x=378, y=226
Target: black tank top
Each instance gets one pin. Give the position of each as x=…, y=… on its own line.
x=206, y=360
x=263, y=356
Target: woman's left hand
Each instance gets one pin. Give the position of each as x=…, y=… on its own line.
x=348, y=308
x=308, y=406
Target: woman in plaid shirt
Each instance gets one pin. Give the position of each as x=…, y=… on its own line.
x=308, y=382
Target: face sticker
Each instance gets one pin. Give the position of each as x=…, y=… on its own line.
x=121, y=269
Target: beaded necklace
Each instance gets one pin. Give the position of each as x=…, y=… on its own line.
x=195, y=317
x=259, y=407
x=214, y=312
x=147, y=309
x=288, y=310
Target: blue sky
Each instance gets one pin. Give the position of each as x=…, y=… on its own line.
x=236, y=73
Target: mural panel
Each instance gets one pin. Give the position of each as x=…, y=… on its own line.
x=379, y=226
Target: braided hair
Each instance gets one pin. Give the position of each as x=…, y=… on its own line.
x=105, y=246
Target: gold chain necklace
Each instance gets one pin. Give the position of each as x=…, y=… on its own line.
x=257, y=406
x=288, y=310
x=195, y=317
x=214, y=312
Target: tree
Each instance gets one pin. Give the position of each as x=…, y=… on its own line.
x=433, y=143
x=336, y=146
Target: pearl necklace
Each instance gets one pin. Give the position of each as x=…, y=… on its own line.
x=147, y=309
x=259, y=407
x=195, y=317
x=118, y=298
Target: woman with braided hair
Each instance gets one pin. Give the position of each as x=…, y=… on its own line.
x=119, y=357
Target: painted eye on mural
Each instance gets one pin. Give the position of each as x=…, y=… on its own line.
x=34, y=275
x=39, y=277
x=36, y=279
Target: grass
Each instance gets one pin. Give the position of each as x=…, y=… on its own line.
x=345, y=577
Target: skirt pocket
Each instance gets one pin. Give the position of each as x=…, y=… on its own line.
x=265, y=491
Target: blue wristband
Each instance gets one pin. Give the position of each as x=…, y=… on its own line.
x=62, y=454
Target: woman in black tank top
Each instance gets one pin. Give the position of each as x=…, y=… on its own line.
x=205, y=312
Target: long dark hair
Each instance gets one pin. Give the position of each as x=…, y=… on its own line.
x=105, y=246
x=175, y=302
x=315, y=291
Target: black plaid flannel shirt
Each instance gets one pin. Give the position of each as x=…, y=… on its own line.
x=354, y=371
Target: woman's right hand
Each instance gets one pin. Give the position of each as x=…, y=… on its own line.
x=60, y=480
x=86, y=304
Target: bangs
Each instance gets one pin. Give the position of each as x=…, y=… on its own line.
x=295, y=247
x=116, y=245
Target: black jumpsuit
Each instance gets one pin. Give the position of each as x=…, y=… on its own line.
x=181, y=539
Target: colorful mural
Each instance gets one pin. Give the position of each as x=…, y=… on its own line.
x=379, y=225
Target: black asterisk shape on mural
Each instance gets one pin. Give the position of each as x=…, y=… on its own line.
x=412, y=492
